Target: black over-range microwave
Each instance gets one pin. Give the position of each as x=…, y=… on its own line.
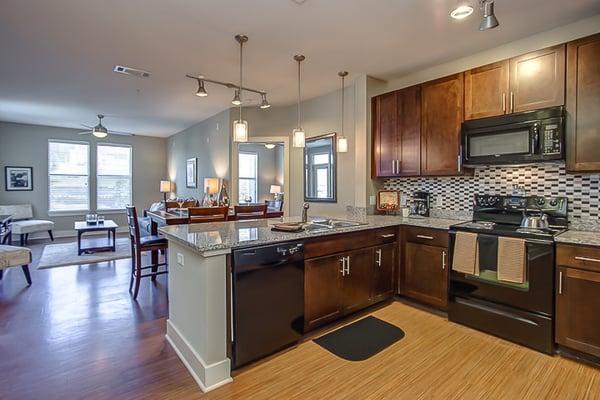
x=519, y=138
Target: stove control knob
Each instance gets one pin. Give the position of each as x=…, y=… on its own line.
x=541, y=201
x=553, y=202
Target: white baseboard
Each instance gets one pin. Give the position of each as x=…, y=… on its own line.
x=208, y=376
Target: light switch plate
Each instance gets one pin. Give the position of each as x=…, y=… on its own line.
x=180, y=259
x=372, y=201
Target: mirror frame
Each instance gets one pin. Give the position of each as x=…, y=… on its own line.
x=333, y=136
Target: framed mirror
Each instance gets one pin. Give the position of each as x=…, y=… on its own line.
x=320, y=169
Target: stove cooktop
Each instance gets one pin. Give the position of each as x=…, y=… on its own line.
x=494, y=228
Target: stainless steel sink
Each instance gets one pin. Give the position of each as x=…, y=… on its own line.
x=319, y=225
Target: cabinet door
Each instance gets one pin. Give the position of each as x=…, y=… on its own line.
x=383, y=272
x=426, y=274
x=577, y=310
x=442, y=115
x=537, y=79
x=385, y=131
x=583, y=103
x=322, y=290
x=486, y=90
x=409, y=131
x=356, y=283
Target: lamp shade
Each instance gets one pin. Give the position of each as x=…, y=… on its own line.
x=165, y=187
x=275, y=189
x=211, y=185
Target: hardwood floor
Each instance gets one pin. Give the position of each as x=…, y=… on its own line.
x=77, y=334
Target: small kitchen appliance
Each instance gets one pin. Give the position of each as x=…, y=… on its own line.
x=420, y=204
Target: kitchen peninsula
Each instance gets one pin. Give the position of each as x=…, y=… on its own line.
x=200, y=316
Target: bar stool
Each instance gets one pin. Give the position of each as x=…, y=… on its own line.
x=140, y=244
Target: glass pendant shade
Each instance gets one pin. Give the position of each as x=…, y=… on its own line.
x=240, y=131
x=99, y=133
x=342, y=144
x=298, y=139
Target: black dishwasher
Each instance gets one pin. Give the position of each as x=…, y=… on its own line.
x=268, y=300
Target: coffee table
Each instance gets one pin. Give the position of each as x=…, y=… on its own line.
x=82, y=227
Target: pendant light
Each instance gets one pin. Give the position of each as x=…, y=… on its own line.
x=240, y=127
x=298, y=135
x=342, y=144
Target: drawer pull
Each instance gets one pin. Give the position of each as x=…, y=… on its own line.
x=425, y=237
x=560, y=282
x=587, y=259
x=388, y=235
x=378, y=261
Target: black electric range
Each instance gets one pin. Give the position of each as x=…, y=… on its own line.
x=520, y=312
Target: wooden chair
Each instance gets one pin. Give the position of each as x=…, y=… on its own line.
x=207, y=214
x=250, y=212
x=140, y=244
x=274, y=205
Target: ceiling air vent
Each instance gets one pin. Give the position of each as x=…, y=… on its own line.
x=131, y=71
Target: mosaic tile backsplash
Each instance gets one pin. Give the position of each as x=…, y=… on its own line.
x=456, y=193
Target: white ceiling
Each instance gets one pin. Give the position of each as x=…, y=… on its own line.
x=56, y=57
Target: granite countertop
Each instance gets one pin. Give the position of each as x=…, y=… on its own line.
x=588, y=238
x=221, y=237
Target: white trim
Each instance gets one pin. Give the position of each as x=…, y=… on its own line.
x=286, y=167
x=201, y=371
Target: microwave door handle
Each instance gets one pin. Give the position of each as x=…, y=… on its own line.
x=535, y=139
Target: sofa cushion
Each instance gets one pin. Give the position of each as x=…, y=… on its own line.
x=31, y=226
x=13, y=256
x=21, y=211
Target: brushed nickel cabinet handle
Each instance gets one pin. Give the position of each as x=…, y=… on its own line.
x=425, y=237
x=393, y=167
x=347, y=265
x=560, y=282
x=512, y=101
x=343, y=270
x=459, y=159
x=231, y=307
x=378, y=261
x=587, y=259
x=388, y=235
x=504, y=103
x=443, y=260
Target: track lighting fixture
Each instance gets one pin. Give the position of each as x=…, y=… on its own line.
x=264, y=103
x=236, y=98
x=489, y=20
x=201, y=91
x=462, y=11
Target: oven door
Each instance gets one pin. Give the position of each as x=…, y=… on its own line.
x=504, y=144
x=534, y=295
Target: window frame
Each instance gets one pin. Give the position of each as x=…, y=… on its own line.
x=240, y=178
x=89, y=192
x=107, y=144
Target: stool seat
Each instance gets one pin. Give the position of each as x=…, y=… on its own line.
x=153, y=240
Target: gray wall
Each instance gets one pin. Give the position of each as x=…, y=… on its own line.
x=27, y=146
x=270, y=168
x=209, y=141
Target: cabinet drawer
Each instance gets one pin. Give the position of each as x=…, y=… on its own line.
x=428, y=236
x=577, y=256
x=344, y=242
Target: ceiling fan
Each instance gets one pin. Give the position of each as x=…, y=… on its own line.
x=100, y=130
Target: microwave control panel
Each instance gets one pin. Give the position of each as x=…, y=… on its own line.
x=551, y=143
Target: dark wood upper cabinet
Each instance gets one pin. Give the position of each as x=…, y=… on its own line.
x=409, y=131
x=441, y=119
x=385, y=127
x=583, y=104
x=577, y=305
x=537, y=79
x=487, y=90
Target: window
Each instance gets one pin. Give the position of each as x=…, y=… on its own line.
x=113, y=177
x=248, y=165
x=321, y=172
x=68, y=176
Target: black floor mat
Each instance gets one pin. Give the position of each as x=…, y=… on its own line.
x=361, y=339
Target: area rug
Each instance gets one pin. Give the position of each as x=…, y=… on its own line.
x=64, y=254
x=361, y=339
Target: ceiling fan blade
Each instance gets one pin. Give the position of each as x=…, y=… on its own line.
x=84, y=133
x=87, y=126
x=120, y=133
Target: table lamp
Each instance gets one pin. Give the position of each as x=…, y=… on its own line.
x=275, y=190
x=165, y=187
x=211, y=187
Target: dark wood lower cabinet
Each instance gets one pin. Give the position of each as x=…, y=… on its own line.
x=425, y=274
x=348, y=281
x=578, y=309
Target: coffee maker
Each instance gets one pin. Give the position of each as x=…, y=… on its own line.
x=420, y=204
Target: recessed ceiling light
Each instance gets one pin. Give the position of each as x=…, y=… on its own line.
x=462, y=12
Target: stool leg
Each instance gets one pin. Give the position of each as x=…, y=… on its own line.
x=27, y=238
x=51, y=236
x=22, y=239
x=27, y=274
x=132, y=268
x=138, y=273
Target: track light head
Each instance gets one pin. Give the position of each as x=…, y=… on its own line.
x=264, y=103
x=201, y=90
x=489, y=20
x=236, y=98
